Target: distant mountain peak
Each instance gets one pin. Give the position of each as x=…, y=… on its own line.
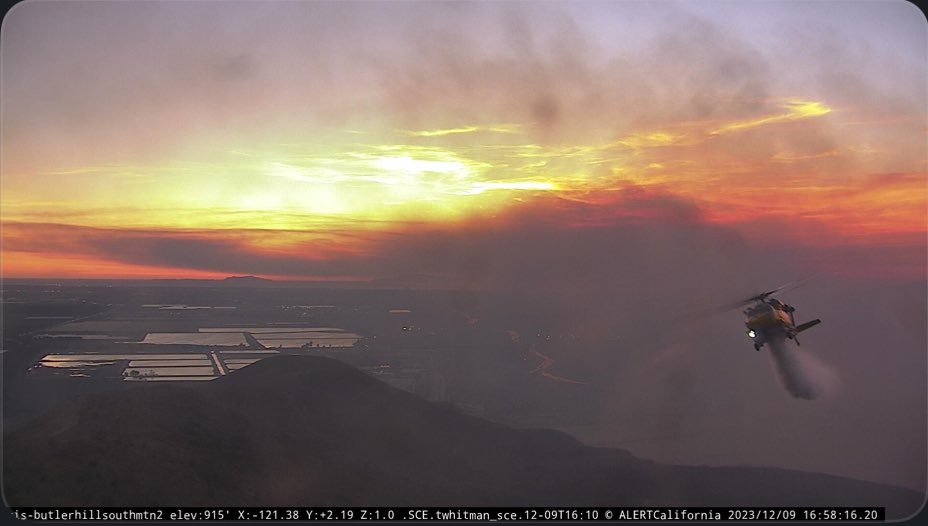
x=246, y=279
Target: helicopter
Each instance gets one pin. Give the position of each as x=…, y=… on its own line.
x=769, y=318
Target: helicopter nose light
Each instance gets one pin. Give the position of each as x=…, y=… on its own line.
x=752, y=334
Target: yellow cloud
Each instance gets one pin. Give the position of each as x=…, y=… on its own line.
x=785, y=158
x=647, y=140
x=483, y=186
x=796, y=109
x=441, y=132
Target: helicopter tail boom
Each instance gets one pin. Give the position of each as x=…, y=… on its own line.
x=807, y=325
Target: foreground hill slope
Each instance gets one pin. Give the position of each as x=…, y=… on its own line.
x=305, y=431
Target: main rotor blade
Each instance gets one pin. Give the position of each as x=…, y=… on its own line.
x=727, y=306
x=786, y=286
x=763, y=295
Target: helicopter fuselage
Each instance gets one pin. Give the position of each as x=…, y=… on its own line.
x=767, y=321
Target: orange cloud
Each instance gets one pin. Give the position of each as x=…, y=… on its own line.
x=63, y=265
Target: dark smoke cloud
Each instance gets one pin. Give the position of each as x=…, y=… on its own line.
x=105, y=82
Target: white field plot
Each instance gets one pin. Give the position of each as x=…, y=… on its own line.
x=229, y=339
x=292, y=337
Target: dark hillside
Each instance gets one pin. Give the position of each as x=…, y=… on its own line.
x=313, y=431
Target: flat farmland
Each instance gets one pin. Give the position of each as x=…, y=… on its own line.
x=92, y=337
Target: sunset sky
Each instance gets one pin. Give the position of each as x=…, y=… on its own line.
x=315, y=140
